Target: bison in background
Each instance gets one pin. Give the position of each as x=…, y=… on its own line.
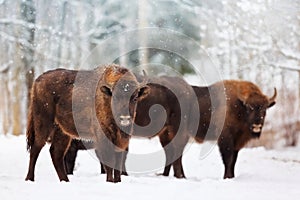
x=245, y=106
x=174, y=95
x=91, y=104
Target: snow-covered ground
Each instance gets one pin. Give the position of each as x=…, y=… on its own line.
x=260, y=174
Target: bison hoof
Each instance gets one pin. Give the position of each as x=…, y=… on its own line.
x=162, y=174
x=111, y=180
x=125, y=173
x=64, y=180
x=117, y=180
x=29, y=179
x=228, y=176
x=69, y=172
x=180, y=176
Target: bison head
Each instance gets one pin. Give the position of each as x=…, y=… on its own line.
x=256, y=104
x=124, y=92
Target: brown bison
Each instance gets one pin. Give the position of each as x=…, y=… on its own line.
x=91, y=104
x=231, y=111
x=168, y=121
x=174, y=95
x=245, y=107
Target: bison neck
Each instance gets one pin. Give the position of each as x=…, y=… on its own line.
x=109, y=128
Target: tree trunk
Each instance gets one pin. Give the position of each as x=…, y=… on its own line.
x=28, y=13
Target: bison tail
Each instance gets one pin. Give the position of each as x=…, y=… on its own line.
x=30, y=136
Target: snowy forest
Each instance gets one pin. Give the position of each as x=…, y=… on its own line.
x=255, y=40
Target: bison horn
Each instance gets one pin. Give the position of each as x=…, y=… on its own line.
x=145, y=78
x=272, y=99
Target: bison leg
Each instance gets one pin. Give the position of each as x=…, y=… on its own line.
x=178, y=169
x=123, y=166
x=117, y=176
x=71, y=154
x=70, y=158
x=124, y=156
x=166, y=171
x=114, y=174
x=234, y=158
x=112, y=160
x=34, y=154
x=39, y=132
x=164, y=141
x=119, y=165
x=101, y=164
x=179, y=143
x=169, y=157
x=173, y=147
x=59, y=146
x=106, y=156
x=109, y=173
x=102, y=168
x=229, y=157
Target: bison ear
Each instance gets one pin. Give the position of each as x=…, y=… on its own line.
x=143, y=92
x=106, y=90
x=271, y=104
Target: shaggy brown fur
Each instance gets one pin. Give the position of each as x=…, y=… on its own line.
x=68, y=104
x=245, y=107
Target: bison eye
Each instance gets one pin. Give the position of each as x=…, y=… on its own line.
x=106, y=90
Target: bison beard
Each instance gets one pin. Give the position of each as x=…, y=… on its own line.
x=63, y=106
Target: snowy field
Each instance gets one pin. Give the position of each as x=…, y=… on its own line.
x=260, y=174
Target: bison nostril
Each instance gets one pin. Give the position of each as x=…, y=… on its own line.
x=125, y=120
x=256, y=128
x=125, y=117
x=257, y=125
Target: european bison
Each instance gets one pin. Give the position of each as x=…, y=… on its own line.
x=245, y=107
x=174, y=95
x=91, y=104
x=168, y=121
